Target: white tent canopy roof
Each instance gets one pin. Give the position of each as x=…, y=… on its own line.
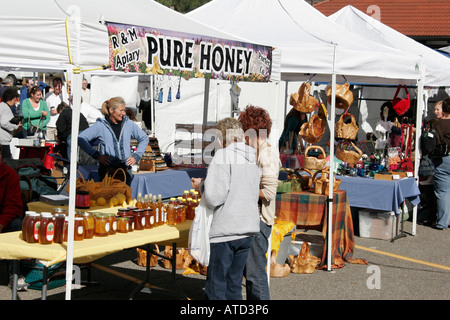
x=306, y=38
x=33, y=34
x=437, y=66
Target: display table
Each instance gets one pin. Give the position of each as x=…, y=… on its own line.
x=384, y=195
x=309, y=210
x=12, y=247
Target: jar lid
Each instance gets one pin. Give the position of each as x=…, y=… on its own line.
x=46, y=214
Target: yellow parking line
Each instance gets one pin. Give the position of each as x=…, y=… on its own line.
x=404, y=258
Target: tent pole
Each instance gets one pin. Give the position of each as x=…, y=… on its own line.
x=76, y=91
x=331, y=163
x=419, y=117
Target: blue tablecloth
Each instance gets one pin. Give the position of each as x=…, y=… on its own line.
x=384, y=195
x=167, y=183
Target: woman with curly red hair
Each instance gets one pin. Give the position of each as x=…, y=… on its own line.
x=257, y=124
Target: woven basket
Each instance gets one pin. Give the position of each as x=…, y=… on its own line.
x=313, y=131
x=344, y=154
x=344, y=97
x=313, y=163
x=346, y=130
x=321, y=184
x=302, y=100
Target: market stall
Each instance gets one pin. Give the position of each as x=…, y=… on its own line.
x=315, y=49
x=77, y=41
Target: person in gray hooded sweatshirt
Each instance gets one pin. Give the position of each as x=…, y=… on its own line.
x=231, y=191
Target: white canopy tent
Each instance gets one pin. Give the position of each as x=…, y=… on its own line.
x=313, y=45
x=57, y=36
x=437, y=66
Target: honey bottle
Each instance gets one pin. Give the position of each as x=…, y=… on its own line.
x=185, y=194
x=170, y=214
x=139, y=201
x=33, y=227
x=46, y=228
x=162, y=213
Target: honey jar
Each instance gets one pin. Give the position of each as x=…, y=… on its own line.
x=101, y=225
x=139, y=219
x=46, y=228
x=112, y=223
x=121, y=212
x=122, y=224
x=59, y=227
x=149, y=218
x=78, y=234
x=89, y=225
x=32, y=227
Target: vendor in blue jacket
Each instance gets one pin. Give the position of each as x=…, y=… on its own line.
x=112, y=134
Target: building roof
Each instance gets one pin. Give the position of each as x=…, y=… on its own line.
x=410, y=17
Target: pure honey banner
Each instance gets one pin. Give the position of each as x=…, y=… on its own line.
x=154, y=51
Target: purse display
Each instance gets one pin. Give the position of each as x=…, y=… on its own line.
x=314, y=163
x=344, y=153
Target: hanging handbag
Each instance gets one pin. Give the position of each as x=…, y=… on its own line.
x=313, y=131
x=401, y=106
x=346, y=130
x=344, y=96
x=302, y=100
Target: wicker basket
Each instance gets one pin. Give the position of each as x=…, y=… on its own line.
x=313, y=131
x=344, y=97
x=344, y=154
x=302, y=100
x=313, y=163
x=346, y=130
x=321, y=185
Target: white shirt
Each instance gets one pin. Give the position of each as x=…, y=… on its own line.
x=52, y=102
x=90, y=112
x=86, y=95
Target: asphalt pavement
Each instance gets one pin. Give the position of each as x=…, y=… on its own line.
x=410, y=268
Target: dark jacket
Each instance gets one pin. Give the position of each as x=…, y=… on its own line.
x=64, y=124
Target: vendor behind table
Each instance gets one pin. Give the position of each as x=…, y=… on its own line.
x=112, y=134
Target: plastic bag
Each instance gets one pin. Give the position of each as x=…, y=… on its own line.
x=198, y=245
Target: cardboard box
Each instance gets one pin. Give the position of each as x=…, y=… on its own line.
x=377, y=224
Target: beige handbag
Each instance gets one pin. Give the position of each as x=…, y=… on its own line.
x=346, y=130
x=313, y=131
x=302, y=100
x=320, y=185
x=344, y=97
x=313, y=163
x=304, y=262
x=343, y=152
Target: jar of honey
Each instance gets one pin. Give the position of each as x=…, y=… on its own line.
x=24, y=225
x=59, y=227
x=130, y=223
x=170, y=214
x=78, y=234
x=149, y=218
x=32, y=227
x=112, y=223
x=46, y=228
x=139, y=219
x=121, y=212
x=122, y=224
x=101, y=225
x=89, y=225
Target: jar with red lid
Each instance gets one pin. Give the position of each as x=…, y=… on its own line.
x=82, y=200
x=46, y=228
x=139, y=219
x=149, y=218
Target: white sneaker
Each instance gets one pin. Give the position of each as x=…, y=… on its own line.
x=21, y=284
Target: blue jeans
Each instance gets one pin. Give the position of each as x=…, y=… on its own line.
x=226, y=269
x=257, y=286
x=442, y=191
